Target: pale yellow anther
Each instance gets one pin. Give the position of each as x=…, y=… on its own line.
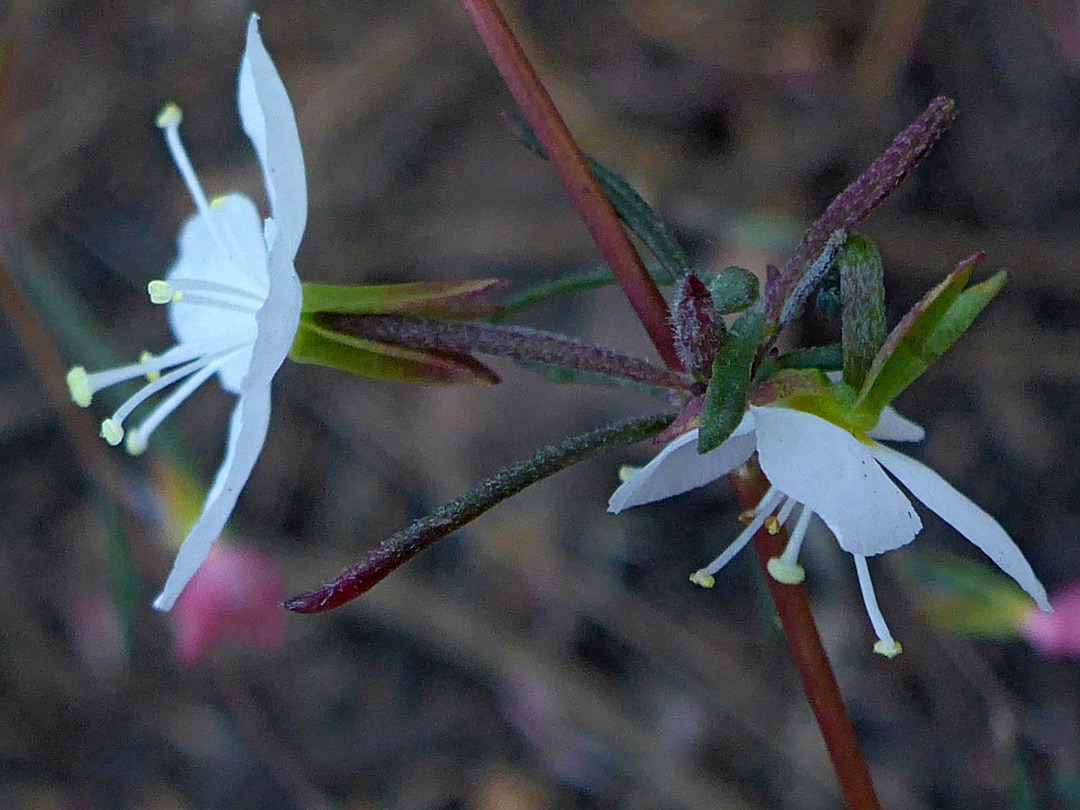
x=218, y=201
x=626, y=471
x=162, y=292
x=112, y=432
x=134, y=444
x=747, y=516
x=772, y=525
x=170, y=116
x=703, y=579
x=888, y=649
x=78, y=383
x=788, y=573
x=151, y=376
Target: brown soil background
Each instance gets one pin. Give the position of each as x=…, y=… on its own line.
x=550, y=655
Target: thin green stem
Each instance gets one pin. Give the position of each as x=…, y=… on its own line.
x=818, y=680
x=569, y=164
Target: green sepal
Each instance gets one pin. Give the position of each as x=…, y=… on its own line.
x=433, y=299
x=318, y=345
x=733, y=289
x=725, y=398
x=923, y=335
x=862, y=301
x=573, y=376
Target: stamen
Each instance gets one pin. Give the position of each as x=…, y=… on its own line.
x=162, y=292
x=169, y=120
x=886, y=645
x=199, y=285
x=766, y=505
x=146, y=357
x=112, y=429
x=786, y=568
x=138, y=437
x=78, y=383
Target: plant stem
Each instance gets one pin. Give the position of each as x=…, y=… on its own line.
x=819, y=683
x=584, y=191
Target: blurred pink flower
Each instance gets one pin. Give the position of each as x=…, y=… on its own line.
x=1056, y=634
x=235, y=597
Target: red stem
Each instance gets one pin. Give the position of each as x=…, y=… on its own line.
x=818, y=680
x=585, y=194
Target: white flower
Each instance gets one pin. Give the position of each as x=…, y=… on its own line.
x=820, y=468
x=233, y=301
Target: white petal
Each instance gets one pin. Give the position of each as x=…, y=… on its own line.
x=247, y=432
x=962, y=514
x=836, y=476
x=267, y=117
x=678, y=468
x=892, y=427
x=200, y=258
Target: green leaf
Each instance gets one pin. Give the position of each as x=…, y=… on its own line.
x=862, y=298
x=571, y=282
x=321, y=346
x=725, y=398
x=563, y=375
x=930, y=328
x=733, y=290
x=634, y=212
x=435, y=299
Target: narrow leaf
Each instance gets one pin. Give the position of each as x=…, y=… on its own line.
x=725, y=398
x=862, y=296
x=423, y=533
x=437, y=299
x=631, y=208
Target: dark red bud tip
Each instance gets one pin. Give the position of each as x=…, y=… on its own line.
x=697, y=336
x=353, y=582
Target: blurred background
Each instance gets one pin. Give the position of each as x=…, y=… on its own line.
x=550, y=655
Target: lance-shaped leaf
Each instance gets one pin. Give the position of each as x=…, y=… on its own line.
x=435, y=299
x=862, y=297
x=725, y=398
x=423, y=533
x=922, y=335
x=854, y=203
x=319, y=345
x=574, y=281
x=635, y=213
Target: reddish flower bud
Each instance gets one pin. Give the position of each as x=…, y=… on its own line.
x=697, y=331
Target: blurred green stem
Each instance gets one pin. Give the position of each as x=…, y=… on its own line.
x=570, y=165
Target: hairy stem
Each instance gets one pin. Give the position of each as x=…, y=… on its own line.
x=569, y=164
x=516, y=342
x=801, y=633
x=423, y=533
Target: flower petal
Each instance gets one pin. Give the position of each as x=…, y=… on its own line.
x=962, y=514
x=678, y=468
x=267, y=117
x=247, y=432
x=892, y=427
x=836, y=476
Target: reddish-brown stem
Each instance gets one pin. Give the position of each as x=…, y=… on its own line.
x=818, y=680
x=585, y=194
